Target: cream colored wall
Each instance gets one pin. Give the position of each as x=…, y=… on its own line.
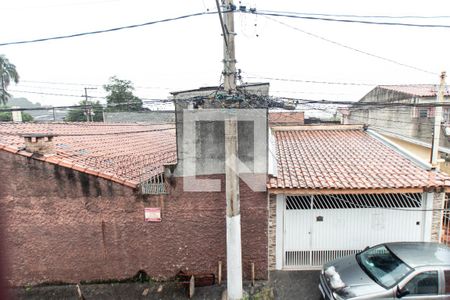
x=420, y=151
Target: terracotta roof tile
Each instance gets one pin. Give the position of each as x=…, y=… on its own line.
x=120, y=152
x=24, y=153
x=344, y=159
x=11, y=149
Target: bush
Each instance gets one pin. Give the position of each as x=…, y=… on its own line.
x=6, y=116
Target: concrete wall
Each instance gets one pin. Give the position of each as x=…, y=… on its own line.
x=399, y=120
x=201, y=133
x=152, y=117
x=61, y=225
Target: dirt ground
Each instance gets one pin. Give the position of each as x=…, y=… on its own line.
x=287, y=285
x=133, y=290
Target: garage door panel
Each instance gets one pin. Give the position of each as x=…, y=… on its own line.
x=336, y=225
x=297, y=228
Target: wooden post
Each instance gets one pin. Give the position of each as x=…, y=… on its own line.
x=80, y=294
x=191, y=287
x=253, y=274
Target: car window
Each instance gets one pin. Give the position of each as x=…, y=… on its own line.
x=447, y=281
x=383, y=266
x=426, y=283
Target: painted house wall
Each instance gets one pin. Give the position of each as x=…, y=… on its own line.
x=61, y=225
x=398, y=120
x=421, y=151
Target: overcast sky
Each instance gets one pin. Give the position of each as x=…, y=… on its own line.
x=187, y=54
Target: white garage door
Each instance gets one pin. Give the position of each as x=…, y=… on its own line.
x=323, y=227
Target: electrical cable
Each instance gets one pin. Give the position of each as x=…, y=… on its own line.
x=317, y=18
x=91, y=84
x=105, y=30
x=83, y=96
x=352, y=48
x=309, y=81
x=357, y=16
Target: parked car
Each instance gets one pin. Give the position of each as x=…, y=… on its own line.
x=408, y=270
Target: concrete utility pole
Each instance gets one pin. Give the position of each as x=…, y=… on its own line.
x=233, y=218
x=437, y=123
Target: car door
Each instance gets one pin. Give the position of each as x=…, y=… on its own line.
x=446, y=283
x=424, y=285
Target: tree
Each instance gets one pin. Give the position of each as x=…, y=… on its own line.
x=120, y=96
x=6, y=116
x=80, y=114
x=8, y=72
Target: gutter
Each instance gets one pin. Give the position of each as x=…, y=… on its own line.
x=411, y=140
x=409, y=155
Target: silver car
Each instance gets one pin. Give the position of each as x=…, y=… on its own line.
x=407, y=270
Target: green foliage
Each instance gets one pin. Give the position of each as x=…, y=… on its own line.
x=6, y=116
x=120, y=96
x=8, y=72
x=26, y=117
x=79, y=114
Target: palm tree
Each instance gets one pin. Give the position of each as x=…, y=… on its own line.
x=8, y=72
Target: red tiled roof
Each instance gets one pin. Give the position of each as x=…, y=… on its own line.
x=420, y=90
x=344, y=159
x=125, y=153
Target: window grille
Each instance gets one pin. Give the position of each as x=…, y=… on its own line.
x=352, y=201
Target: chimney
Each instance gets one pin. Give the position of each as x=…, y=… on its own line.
x=39, y=143
x=16, y=115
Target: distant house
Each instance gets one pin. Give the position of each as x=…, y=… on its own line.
x=333, y=190
x=286, y=118
x=408, y=126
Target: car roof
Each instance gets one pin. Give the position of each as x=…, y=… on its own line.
x=417, y=254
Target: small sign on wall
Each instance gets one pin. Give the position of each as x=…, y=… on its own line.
x=152, y=214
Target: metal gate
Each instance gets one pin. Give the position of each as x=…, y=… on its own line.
x=445, y=230
x=320, y=228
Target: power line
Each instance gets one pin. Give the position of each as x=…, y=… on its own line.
x=310, y=81
x=282, y=98
x=105, y=30
x=90, y=84
x=51, y=94
x=82, y=96
x=308, y=92
x=318, y=18
x=352, y=48
x=358, y=16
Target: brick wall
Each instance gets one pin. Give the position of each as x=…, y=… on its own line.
x=277, y=118
x=63, y=225
x=272, y=227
